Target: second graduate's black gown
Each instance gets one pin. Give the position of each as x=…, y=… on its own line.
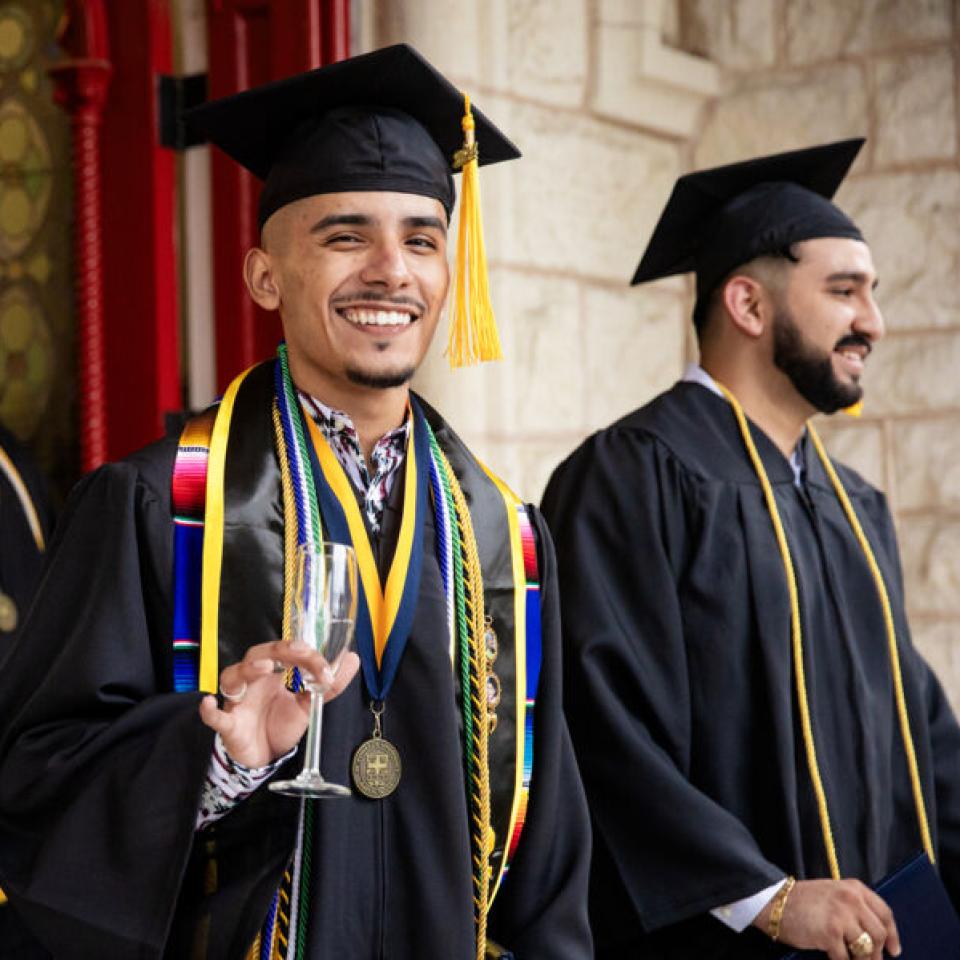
x=101, y=768
x=20, y=558
x=679, y=687
x=21, y=562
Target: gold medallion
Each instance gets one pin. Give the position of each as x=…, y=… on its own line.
x=8, y=613
x=376, y=768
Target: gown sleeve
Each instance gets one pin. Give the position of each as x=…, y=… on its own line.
x=100, y=765
x=541, y=910
x=621, y=510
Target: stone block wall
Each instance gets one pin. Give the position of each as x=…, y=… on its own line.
x=796, y=72
x=564, y=226
x=610, y=100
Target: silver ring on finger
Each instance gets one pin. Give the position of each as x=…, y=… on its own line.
x=863, y=946
x=234, y=696
x=279, y=666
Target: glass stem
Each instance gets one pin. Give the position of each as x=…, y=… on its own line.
x=312, y=767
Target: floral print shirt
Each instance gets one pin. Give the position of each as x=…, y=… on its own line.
x=373, y=480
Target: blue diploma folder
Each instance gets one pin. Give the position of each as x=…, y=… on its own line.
x=926, y=921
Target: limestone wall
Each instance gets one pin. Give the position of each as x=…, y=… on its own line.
x=800, y=71
x=564, y=227
x=610, y=100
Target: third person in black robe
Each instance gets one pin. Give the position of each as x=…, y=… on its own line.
x=726, y=825
x=679, y=690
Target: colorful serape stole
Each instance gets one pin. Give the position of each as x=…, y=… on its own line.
x=527, y=654
x=533, y=658
x=188, y=493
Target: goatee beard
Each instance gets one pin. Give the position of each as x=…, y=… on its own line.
x=810, y=371
x=381, y=381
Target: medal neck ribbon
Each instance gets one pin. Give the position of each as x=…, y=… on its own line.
x=385, y=613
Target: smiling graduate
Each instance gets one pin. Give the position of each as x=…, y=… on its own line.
x=135, y=816
x=757, y=734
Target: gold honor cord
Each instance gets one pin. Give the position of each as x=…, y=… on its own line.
x=289, y=526
x=797, y=635
x=901, y=698
x=26, y=501
x=795, y=632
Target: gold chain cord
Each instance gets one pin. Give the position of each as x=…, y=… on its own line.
x=797, y=636
x=480, y=787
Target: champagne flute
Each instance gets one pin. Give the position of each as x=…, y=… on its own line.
x=324, y=613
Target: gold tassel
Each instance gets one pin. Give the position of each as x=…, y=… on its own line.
x=856, y=410
x=473, y=328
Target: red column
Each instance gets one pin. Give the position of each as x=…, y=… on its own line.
x=141, y=296
x=127, y=295
x=80, y=86
x=335, y=30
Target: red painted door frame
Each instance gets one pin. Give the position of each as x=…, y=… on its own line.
x=252, y=42
x=124, y=231
x=141, y=302
x=127, y=284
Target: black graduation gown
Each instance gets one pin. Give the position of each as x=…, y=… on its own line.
x=20, y=566
x=679, y=689
x=101, y=768
x=20, y=560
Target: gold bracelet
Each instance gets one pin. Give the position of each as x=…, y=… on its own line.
x=779, y=905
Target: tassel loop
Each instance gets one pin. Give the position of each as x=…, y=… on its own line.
x=473, y=329
x=469, y=151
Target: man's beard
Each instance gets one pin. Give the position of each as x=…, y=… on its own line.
x=392, y=378
x=811, y=371
x=381, y=381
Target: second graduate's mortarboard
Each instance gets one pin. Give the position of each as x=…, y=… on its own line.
x=383, y=121
x=717, y=220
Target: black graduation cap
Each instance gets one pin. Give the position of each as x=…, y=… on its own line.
x=719, y=219
x=385, y=120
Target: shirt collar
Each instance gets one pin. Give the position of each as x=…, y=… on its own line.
x=332, y=420
x=694, y=373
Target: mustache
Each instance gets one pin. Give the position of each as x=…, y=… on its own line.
x=377, y=296
x=854, y=340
